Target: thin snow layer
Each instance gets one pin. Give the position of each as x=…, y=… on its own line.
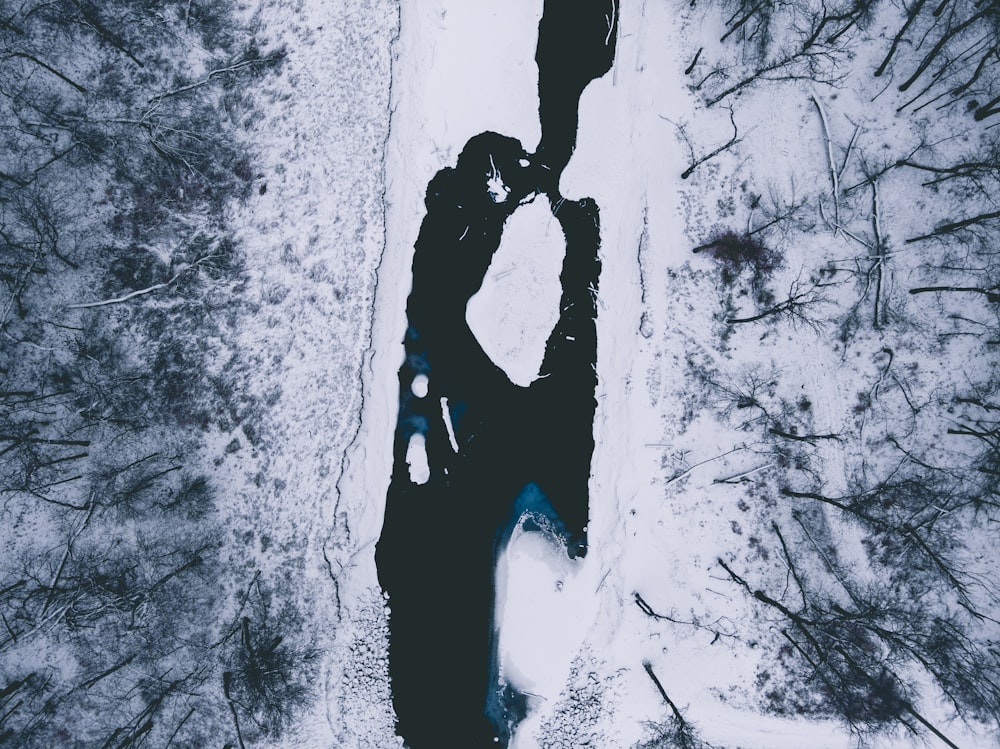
x=517, y=306
x=312, y=236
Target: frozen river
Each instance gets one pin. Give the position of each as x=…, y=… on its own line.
x=480, y=449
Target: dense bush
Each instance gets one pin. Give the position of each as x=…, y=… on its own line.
x=737, y=253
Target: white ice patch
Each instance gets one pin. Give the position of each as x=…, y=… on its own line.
x=416, y=459
x=495, y=185
x=420, y=385
x=517, y=306
x=446, y=415
x=544, y=607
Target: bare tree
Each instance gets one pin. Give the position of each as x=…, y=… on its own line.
x=677, y=732
x=852, y=649
x=797, y=307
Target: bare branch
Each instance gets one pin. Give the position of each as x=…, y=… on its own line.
x=956, y=225
x=735, y=140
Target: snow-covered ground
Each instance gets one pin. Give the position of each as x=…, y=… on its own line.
x=314, y=236
x=330, y=244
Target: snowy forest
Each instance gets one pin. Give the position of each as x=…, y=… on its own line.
x=208, y=211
